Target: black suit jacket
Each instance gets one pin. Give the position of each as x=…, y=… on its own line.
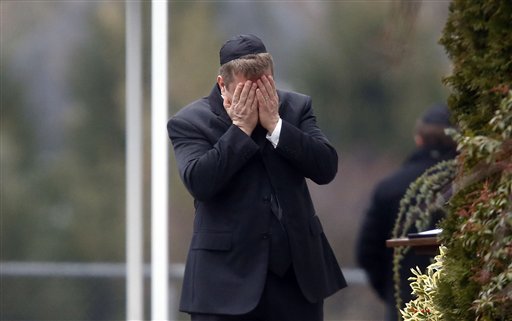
x=231, y=176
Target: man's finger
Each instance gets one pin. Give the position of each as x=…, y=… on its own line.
x=272, y=82
x=226, y=102
x=236, y=94
x=260, y=98
x=251, y=96
x=256, y=99
x=245, y=91
x=263, y=90
x=267, y=85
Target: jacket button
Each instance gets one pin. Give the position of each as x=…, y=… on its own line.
x=266, y=198
x=265, y=236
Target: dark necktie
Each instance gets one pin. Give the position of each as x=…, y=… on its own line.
x=280, y=258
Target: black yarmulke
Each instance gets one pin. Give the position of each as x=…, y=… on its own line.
x=239, y=46
x=437, y=115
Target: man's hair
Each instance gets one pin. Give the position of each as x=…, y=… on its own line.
x=250, y=66
x=433, y=135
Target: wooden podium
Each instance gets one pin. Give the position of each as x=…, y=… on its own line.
x=424, y=243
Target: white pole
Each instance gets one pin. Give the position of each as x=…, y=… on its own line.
x=159, y=163
x=134, y=222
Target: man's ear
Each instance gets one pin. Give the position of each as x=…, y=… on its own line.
x=418, y=140
x=222, y=84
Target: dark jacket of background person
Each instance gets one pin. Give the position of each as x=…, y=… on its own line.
x=372, y=254
x=231, y=177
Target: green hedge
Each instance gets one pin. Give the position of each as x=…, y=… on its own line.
x=476, y=282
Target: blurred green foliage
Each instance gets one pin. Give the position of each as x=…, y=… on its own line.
x=67, y=203
x=371, y=73
x=477, y=278
x=477, y=39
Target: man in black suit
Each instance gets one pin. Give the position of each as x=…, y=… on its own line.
x=432, y=147
x=244, y=152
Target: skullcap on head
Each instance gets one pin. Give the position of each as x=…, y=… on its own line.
x=239, y=46
x=437, y=115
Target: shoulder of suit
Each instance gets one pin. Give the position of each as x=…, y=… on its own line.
x=293, y=96
x=293, y=101
x=397, y=183
x=195, y=109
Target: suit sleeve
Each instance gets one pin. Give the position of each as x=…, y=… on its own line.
x=307, y=148
x=205, y=168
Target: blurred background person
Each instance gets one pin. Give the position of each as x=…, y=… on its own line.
x=432, y=147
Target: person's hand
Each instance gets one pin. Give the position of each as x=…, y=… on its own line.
x=268, y=103
x=243, y=108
